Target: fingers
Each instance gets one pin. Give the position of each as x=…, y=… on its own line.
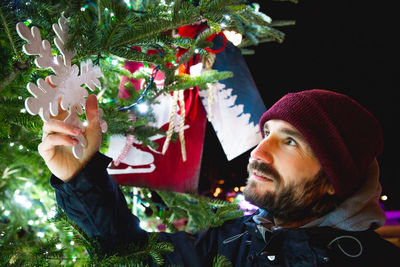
x=60, y=133
x=57, y=126
x=57, y=133
x=47, y=147
x=92, y=110
x=53, y=140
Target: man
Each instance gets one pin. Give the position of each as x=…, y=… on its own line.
x=314, y=176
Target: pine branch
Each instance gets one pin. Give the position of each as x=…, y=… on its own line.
x=92, y=245
x=131, y=54
x=210, y=76
x=99, y=8
x=121, y=15
x=8, y=32
x=221, y=261
x=201, y=211
x=123, y=254
x=283, y=23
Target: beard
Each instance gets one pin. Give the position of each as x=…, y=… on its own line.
x=292, y=202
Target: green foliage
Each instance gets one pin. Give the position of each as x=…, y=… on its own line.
x=45, y=253
x=221, y=261
x=125, y=255
x=80, y=236
x=202, y=212
x=30, y=253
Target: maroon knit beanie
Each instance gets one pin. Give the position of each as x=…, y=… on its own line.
x=343, y=135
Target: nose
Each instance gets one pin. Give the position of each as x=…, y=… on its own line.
x=263, y=151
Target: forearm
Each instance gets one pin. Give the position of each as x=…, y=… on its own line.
x=95, y=202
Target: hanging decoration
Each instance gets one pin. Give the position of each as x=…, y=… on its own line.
x=235, y=104
x=178, y=97
x=65, y=86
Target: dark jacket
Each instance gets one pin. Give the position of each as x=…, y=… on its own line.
x=94, y=201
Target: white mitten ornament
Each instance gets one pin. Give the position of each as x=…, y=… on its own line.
x=65, y=84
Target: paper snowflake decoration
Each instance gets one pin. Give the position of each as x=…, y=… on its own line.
x=65, y=84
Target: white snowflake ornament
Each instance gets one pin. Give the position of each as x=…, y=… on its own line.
x=64, y=85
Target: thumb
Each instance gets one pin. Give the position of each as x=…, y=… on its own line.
x=92, y=110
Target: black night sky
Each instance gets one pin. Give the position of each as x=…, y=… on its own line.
x=350, y=47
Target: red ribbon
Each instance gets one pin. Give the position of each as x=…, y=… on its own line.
x=211, y=37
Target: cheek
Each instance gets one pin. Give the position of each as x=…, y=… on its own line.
x=293, y=168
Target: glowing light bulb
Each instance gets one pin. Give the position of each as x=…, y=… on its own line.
x=39, y=212
x=23, y=200
x=234, y=37
x=127, y=2
x=256, y=7
x=217, y=191
x=52, y=212
x=53, y=226
x=44, y=219
x=143, y=107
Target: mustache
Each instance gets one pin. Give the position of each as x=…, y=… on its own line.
x=265, y=169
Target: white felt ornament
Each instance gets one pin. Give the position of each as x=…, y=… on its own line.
x=64, y=85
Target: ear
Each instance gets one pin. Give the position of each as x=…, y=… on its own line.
x=330, y=190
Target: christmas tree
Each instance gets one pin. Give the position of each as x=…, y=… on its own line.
x=33, y=231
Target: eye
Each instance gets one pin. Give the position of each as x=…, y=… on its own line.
x=266, y=133
x=291, y=142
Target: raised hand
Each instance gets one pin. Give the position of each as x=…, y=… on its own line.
x=58, y=140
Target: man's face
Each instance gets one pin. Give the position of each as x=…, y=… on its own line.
x=283, y=172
